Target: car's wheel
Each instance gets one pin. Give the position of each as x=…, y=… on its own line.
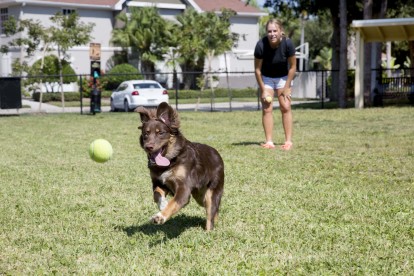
x=126, y=106
x=113, y=109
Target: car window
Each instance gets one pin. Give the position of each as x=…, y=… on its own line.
x=146, y=85
x=122, y=87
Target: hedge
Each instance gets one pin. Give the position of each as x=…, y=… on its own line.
x=182, y=94
x=69, y=96
x=218, y=93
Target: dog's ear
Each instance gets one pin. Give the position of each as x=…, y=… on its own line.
x=143, y=113
x=168, y=115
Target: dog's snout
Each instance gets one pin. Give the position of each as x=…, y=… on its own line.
x=149, y=147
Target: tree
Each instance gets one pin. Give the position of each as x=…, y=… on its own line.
x=49, y=68
x=318, y=32
x=202, y=35
x=120, y=73
x=146, y=32
x=33, y=36
x=191, y=44
x=324, y=58
x=68, y=32
x=218, y=37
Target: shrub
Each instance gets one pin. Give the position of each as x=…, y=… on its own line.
x=120, y=73
x=51, y=69
x=56, y=96
x=218, y=93
x=87, y=84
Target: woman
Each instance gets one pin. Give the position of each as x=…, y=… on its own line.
x=275, y=68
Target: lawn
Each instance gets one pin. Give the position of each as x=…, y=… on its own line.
x=339, y=203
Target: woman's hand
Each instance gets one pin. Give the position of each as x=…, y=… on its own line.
x=287, y=93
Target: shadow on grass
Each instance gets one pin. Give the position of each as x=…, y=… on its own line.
x=247, y=143
x=171, y=229
x=258, y=144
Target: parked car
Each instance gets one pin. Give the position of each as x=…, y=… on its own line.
x=133, y=93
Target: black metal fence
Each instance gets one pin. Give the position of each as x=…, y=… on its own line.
x=392, y=84
x=211, y=91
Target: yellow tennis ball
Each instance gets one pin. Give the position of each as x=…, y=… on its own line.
x=100, y=150
x=268, y=99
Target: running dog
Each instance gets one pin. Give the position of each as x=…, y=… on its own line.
x=179, y=167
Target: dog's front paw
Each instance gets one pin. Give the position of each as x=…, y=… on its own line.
x=158, y=218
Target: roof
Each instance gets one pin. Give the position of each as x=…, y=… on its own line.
x=391, y=29
x=105, y=4
x=216, y=5
x=161, y=4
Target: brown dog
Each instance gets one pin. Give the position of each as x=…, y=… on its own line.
x=178, y=166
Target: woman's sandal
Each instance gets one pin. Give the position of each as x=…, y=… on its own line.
x=287, y=146
x=268, y=145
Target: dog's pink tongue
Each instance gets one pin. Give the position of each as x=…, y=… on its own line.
x=161, y=160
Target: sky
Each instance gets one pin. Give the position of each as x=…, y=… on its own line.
x=260, y=2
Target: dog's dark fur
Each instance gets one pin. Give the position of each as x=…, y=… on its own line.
x=191, y=169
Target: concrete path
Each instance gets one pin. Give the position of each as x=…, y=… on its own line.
x=30, y=106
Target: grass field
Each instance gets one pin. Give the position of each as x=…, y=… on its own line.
x=340, y=203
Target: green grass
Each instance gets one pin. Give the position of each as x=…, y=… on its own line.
x=339, y=203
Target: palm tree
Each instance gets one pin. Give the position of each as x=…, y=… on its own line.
x=324, y=58
x=145, y=31
x=191, y=44
x=203, y=35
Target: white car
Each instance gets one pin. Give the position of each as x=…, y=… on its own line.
x=133, y=93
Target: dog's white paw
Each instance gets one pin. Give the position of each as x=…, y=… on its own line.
x=158, y=218
x=162, y=203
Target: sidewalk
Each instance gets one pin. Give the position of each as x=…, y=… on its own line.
x=48, y=108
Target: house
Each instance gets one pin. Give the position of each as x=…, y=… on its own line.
x=103, y=12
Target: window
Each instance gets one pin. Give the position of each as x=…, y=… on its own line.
x=4, y=16
x=67, y=11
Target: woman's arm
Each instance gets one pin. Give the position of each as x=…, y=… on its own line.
x=291, y=75
x=258, y=73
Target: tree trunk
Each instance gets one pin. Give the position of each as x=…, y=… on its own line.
x=343, y=54
x=61, y=80
x=149, y=69
x=335, y=41
x=368, y=5
x=191, y=72
x=42, y=63
x=378, y=12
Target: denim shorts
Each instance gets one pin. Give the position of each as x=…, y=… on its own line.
x=274, y=83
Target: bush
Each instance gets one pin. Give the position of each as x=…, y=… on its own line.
x=51, y=68
x=120, y=73
x=56, y=96
x=218, y=93
x=87, y=85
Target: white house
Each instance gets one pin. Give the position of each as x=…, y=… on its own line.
x=103, y=12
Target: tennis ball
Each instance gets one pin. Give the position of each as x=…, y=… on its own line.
x=100, y=150
x=268, y=99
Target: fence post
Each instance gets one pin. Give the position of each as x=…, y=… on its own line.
x=175, y=81
x=81, y=94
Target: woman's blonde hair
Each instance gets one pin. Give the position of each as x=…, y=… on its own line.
x=276, y=22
